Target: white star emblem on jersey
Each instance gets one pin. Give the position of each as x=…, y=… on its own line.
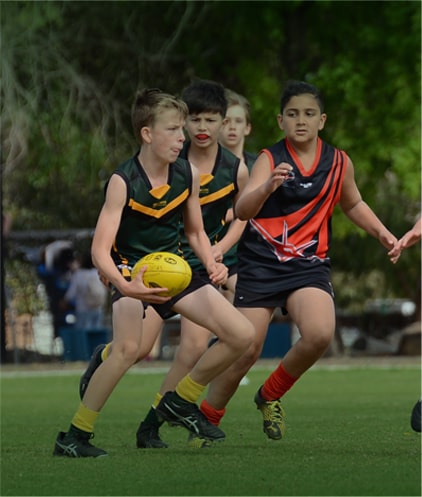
x=283, y=250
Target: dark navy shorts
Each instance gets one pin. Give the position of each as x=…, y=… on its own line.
x=249, y=298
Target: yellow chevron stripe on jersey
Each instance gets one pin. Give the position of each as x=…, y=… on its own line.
x=159, y=191
x=217, y=191
x=157, y=214
x=217, y=195
x=204, y=179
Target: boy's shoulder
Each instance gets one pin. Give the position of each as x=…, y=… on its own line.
x=128, y=164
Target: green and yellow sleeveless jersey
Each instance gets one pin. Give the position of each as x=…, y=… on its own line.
x=216, y=194
x=151, y=217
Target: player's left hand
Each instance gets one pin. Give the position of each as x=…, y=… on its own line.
x=218, y=273
x=103, y=279
x=217, y=253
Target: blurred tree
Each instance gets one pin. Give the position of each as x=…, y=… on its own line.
x=69, y=71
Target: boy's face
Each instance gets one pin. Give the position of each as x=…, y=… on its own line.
x=235, y=127
x=301, y=119
x=166, y=136
x=203, y=128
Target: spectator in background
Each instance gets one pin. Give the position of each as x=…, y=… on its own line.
x=88, y=294
x=54, y=270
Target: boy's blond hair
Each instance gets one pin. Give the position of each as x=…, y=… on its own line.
x=148, y=104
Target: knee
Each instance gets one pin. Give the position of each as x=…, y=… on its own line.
x=126, y=352
x=245, y=334
x=190, y=352
x=249, y=358
x=320, y=341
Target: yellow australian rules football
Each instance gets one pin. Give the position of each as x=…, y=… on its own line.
x=164, y=270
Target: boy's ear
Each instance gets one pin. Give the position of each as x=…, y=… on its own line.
x=280, y=121
x=322, y=121
x=146, y=134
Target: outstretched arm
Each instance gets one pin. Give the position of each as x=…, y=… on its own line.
x=237, y=226
x=360, y=213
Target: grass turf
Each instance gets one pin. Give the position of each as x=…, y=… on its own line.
x=348, y=433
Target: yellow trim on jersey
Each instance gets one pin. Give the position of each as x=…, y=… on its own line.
x=157, y=214
x=216, y=195
x=159, y=191
x=204, y=179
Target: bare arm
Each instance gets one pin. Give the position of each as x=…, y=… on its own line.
x=261, y=184
x=197, y=237
x=104, y=236
x=236, y=225
x=360, y=213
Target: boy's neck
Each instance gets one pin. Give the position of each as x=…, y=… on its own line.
x=304, y=147
x=156, y=171
x=305, y=152
x=237, y=150
x=203, y=158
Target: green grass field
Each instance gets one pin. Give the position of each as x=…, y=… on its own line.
x=348, y=433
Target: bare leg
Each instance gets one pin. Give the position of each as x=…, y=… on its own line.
x=203, y=310
x=235, y=333
x=229, y=289
x=193, y=343
x=222, y=388
x=127, y=334
x=152, y=327
x=313, y=312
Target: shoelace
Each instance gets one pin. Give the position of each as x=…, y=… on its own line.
x=276, y=411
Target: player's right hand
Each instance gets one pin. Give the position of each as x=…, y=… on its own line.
x=278, y=176
x=137, y=290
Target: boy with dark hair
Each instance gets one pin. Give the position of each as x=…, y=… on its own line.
x=222, y=178
x=283, y=253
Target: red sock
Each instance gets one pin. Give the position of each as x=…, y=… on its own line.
x=277, y=384
x=213, y=415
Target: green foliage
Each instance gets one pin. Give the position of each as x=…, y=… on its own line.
x=21, y=283
x=68, y=83
x=378, y=121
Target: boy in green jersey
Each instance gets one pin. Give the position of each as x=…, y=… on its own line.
x=222, y=179
x=147, y=197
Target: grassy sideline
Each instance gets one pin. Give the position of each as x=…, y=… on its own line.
x=348, y=434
